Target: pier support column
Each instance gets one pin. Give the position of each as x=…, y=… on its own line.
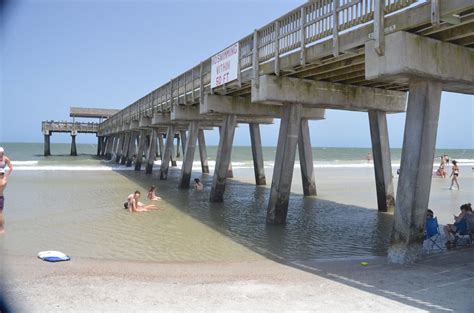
x=188, y=154
x=109, y=149
x=73, y=144
x=223, y=159
x=178, y=152
x=382, y=161
x=141, y=148
x=131, y=149
x=203, y=152
x=306, y=160
x=47, y=144
x=284, y=163
x=416, y=167
x=151, y=152
x=126, y=144
x=230, y=171
x=257, y=154
x=165, y=163
x=182, y=133
x=161, y=146
x=105, y=143
x=99, y=145
x=119, y=151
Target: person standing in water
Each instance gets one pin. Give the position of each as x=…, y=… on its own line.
x=5, y=161
x=198, y=186
x=3, y=185
x=454, y=174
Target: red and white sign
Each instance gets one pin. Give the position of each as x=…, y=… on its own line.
x=224, y=66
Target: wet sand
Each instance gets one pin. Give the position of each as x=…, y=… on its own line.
x=440, y=283
x=232, y=272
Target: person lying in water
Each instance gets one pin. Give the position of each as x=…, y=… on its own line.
x=133, y=205
x=151, y=194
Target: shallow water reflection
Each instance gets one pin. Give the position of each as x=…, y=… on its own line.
x=81, y=214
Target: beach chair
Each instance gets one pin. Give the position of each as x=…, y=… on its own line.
x=467, y=232
x=432, y=232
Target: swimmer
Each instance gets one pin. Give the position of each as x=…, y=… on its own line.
x=198, y=186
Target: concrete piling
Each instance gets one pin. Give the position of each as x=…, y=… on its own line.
x=183, y=136
x=223, y=159
x=188, y=156
x=382, y=161
x=203, y=152
x=131, y=149
x=99, y=145
x=161, y=145
x=284, y=163
x=416, y=167
x=168, y=152
x=126, y=145
x=47, y=145
x=141, y=149
x=306, y=160
x=257, y=155
x=151, y=152
x=73, y=145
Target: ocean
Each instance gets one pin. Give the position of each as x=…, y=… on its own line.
x=75, y=205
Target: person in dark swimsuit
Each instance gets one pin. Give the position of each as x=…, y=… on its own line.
x=454, y=174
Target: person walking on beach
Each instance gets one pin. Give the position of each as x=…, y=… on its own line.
x=151, y=194
x=454, y=174
x=3, y=185
x=369, y=157
x=5, y=161
x=133, y=205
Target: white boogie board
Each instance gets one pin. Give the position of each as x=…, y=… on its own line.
x=53, y=256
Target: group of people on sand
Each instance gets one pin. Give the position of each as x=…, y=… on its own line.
x=442, y=170
x=4, y=162
x=134, y=205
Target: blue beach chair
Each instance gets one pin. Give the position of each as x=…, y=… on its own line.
x=465, y=229
x=432, y=232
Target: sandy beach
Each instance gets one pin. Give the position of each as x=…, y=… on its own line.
x=440, y=283
x=194, y=256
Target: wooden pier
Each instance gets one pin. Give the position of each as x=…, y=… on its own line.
x=74, y=128
x=378, y=57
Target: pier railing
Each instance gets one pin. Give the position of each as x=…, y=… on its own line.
x=52, y=126
x=295, y=31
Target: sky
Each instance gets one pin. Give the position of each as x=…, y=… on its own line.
x=57, y=54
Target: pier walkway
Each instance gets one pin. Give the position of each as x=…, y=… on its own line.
x=374, y=56
x=74, y=128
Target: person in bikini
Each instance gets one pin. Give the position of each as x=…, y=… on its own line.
x=151, y=194
x=133, y=205
x=3, y=185
x=454, y=174
x=4, y=162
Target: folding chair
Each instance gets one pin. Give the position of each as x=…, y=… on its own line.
x=432, y=232
x=467, y=230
